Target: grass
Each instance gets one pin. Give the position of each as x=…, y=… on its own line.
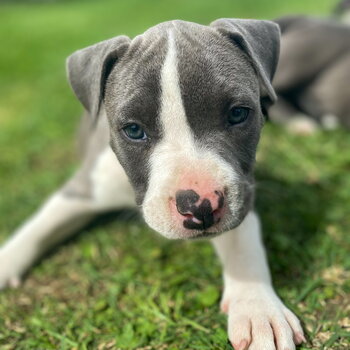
x=118, y=285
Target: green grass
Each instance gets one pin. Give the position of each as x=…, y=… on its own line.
x=118, y=285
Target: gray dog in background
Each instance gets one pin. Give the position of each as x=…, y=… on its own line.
x=342, y=11
x=312, y=80
x=174, y=116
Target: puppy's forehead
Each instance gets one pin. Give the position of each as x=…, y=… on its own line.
x=192, y=31
x=209, y=67
x=213, y=74
x=147, y=51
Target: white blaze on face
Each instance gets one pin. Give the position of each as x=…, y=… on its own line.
x=175, y=127
x=176, y=154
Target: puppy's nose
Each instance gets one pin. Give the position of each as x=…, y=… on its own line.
x=200, y=211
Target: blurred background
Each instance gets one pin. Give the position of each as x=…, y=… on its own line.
x=118, y=285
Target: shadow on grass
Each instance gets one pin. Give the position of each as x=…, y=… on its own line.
x=121, y=216
x=293, y=217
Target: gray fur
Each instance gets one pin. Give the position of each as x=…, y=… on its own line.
x=217, y=67
x=260, y=40
x=179, y=81
x=88, y=68
x=215, y=75
x=132, y=95
x=314, y=69
x=93, y=140
x=342, y=9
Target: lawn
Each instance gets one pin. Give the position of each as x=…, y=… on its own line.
x=118, y=285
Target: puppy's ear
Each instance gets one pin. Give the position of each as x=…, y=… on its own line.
x=89, y=68
x=260, y=40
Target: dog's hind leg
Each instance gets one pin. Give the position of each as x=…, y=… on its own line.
x=100, y=185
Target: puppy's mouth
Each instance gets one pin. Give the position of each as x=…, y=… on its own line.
x=196, y=205
x=213, y=231
x=201, y=235
x=189, y=216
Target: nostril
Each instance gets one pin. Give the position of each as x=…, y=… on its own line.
x=186, y=201
x=221, y=199
x=217, y=214
x=199, y=211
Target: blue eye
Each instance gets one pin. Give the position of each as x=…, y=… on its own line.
x=237, y=115
x=135, y=132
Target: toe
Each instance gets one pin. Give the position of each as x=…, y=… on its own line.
x=298, y=333
x=283, y=334
x=262, y=336
x=224, y=306
x=239, y=331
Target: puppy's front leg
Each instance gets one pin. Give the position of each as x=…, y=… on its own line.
x=257, y=319
x=63, y=214
x=59, y=217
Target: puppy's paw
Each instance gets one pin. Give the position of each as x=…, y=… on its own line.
x=302, y=125
x=10, y=273
x=258, y=320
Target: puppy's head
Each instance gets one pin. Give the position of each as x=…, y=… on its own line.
x=185, y=104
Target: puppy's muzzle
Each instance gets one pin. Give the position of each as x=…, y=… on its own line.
x=199, y=211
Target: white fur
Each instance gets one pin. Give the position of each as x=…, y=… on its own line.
x=177, y=152
x=62, y=216
x=330, y=121
x=345, y=18
x=111, y=187
x=302, y=125
x=255, y=313
x=50, y=225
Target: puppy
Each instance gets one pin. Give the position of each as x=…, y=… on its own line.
x=174, y=117
x=313, y=74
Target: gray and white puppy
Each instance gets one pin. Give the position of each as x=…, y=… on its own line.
x=313, y=74
x=181, y=106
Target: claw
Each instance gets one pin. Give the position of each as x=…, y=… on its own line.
x=224, y=307
x=300, y=338
x=241, y=346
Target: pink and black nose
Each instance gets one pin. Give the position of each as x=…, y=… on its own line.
x=200, y=212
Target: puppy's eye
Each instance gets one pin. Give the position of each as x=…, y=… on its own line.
x=237, y=115
x=135, y=132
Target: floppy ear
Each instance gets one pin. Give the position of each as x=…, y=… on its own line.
x=260, y=40
x=88, y=70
